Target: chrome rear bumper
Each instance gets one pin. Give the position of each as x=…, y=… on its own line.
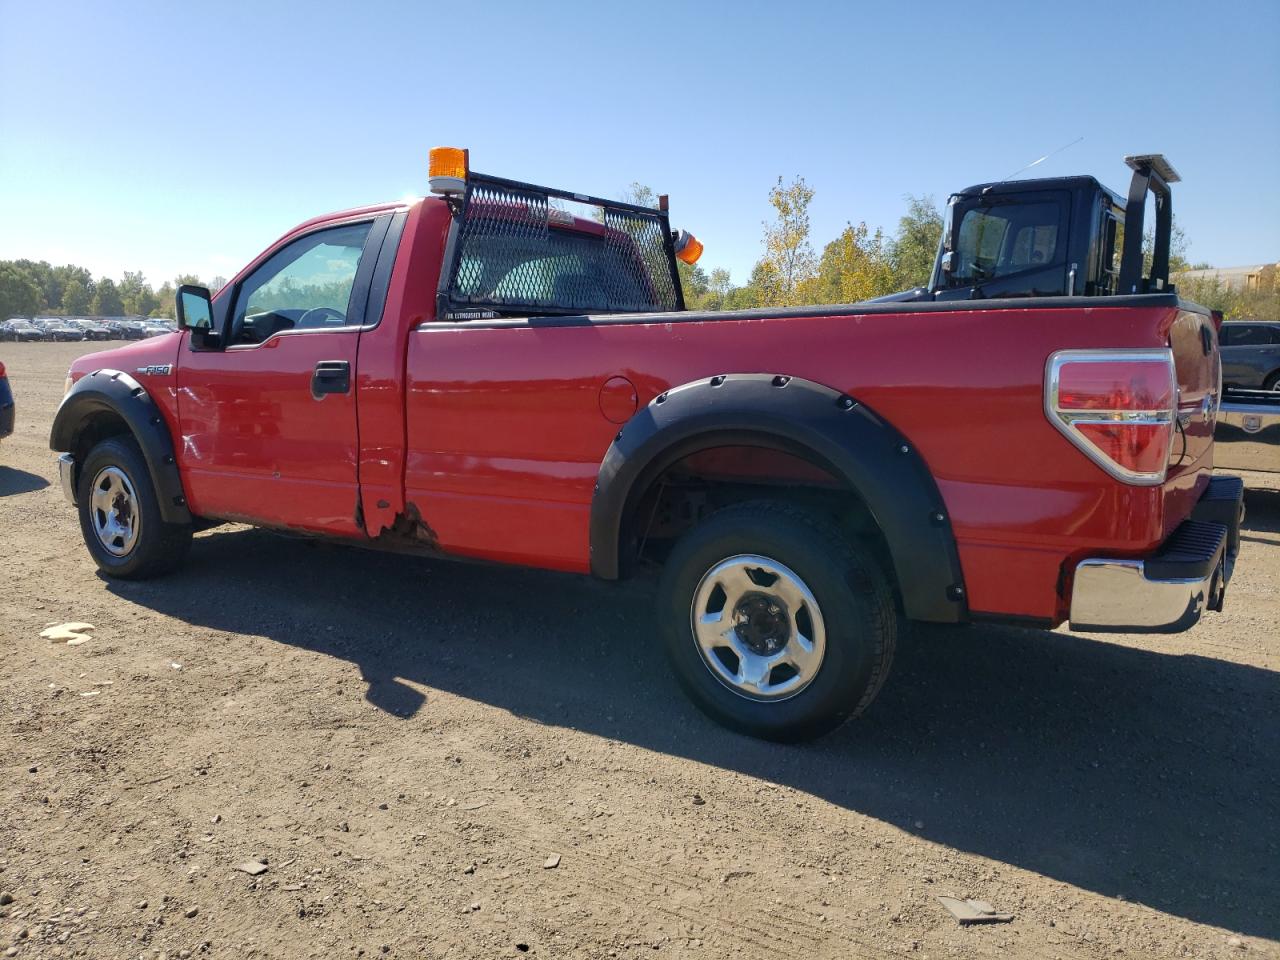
x=1248, y=432
x=1170, y=590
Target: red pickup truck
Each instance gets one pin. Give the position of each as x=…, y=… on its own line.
x=483, y=373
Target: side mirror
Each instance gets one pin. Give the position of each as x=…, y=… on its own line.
x=195, y=308
x=948, y=261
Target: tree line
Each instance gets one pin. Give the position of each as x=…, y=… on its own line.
x=858, y=264
x=37, y=288
x=862, y=263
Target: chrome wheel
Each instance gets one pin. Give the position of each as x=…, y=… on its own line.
x=758, y=628
x=114, y=511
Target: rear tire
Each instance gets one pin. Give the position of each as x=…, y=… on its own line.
x=775, y=624
x=120, y=514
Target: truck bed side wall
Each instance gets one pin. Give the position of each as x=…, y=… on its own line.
x=505, y=432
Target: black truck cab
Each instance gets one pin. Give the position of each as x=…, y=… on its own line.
x=1060, y=236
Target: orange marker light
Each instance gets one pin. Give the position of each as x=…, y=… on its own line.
x=688, y=247
x=447, y=169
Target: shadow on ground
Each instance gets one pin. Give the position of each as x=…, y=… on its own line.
x=13, y=481
x=1131, y=773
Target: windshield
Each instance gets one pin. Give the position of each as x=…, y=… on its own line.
x=998, y=239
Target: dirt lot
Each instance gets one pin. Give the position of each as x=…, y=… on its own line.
x=406, y=743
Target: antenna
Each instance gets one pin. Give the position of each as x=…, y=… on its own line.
x=1033, y=163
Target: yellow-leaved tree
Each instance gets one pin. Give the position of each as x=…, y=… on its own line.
x=785, y=273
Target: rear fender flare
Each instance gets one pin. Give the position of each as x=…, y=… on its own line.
x=808, y=419
x=116, y=392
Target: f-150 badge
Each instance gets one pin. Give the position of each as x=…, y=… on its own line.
x=156, y=370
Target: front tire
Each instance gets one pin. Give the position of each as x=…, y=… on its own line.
x=775, y=624
x=120, y=514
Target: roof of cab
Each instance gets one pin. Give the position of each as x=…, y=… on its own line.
x=354, y=212
x=1043, y=183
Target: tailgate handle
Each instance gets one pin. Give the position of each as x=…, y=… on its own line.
x=331, y=376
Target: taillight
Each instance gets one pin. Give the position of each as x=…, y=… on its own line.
x=1117, y=407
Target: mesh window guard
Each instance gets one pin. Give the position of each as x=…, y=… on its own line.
x=517, y=249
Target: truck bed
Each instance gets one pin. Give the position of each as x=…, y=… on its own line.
x=507, y=414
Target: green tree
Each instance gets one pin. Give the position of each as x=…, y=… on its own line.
x=106, y=299
x=1178, y=246
x=76, y=298
x=46, y=280
x=693, y=281
x=742, y=298
x=719, y=286
x=915, y=247
x=857, y=265
x=136, y=294
x=63, y=275
x=19, y=294
x=164, y=301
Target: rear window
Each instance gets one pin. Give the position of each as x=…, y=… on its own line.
x=521, y=250
x=562, y=269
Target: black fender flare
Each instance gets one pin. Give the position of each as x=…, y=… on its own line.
x=116, y=392
x=810, y=420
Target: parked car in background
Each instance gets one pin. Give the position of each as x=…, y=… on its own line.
x=60, y=330
x=154, y=328
x=1251, y=354
x=41, y=326
x=20, y=330
x=6, y=405
x=91, y=329
x=115, y=326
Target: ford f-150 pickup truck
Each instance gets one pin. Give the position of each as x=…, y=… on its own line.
x=485, y=373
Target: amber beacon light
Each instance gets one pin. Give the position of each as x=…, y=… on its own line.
x=688, y=247
x=447, y=170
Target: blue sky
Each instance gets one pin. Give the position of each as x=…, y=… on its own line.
x=186, y=137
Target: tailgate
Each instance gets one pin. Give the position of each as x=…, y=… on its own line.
x=1198, y=365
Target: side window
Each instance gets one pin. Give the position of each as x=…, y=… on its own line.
x=1244, y=335
x=305, y=286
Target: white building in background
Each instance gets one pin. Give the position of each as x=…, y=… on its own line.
x=1254, y=278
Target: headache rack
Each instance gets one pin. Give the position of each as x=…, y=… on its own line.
x=516, y=249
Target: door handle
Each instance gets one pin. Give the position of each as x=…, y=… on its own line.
x=331, y=376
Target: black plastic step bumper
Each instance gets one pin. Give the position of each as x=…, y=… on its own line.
x=1168, y=591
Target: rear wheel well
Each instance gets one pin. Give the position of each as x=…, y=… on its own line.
x=718, y=476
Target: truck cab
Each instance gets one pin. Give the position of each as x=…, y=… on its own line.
x=1053, y=237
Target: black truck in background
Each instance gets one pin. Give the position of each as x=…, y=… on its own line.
x=1053, y=237
x=1075, y=237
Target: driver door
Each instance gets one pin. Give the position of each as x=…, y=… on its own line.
x=269, y=418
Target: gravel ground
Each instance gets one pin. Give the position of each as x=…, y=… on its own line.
x=409, y=744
